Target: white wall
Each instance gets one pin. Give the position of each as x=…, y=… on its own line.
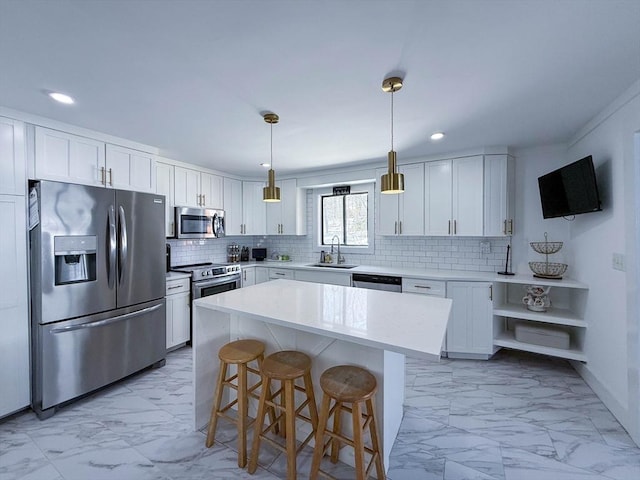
x=530, y=226
x=612, y=333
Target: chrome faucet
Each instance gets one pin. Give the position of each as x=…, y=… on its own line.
x=340, y=257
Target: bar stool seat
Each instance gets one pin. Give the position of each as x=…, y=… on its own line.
x=286, y=367
x=240, y=353
x=347, y=384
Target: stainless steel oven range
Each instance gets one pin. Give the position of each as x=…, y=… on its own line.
x=210, y=279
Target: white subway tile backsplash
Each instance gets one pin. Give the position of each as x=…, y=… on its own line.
x=447, y=253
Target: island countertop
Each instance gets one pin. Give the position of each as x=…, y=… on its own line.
x=409, y=324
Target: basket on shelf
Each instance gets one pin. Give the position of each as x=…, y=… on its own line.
x=547, y=269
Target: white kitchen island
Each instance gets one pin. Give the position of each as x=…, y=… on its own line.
x=334, y=325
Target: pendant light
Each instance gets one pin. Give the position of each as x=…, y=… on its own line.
x=271, y=193
x=392, y=181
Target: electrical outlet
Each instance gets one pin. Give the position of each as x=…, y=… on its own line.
x=618, y=261
x=485, y=247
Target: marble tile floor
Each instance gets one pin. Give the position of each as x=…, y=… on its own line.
x=516, y=417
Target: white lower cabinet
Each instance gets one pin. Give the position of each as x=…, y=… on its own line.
x=178, y=312
x=470, y=329
x=277, y=273
x=262, y=274
x=248, y=276
x=330, y=278
x=14, y=319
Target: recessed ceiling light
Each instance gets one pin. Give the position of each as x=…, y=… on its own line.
x=62, y=98
x=265, y=164
x=437, y=136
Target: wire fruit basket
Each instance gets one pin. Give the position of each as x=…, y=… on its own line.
x=547, y=269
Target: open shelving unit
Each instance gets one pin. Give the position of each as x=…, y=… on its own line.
x=568, y=302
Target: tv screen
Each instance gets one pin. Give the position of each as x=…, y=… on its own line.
x=570, y=190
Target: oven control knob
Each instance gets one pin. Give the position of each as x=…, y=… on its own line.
x=204, y=273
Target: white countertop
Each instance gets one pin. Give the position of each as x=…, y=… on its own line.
x=431, y=274
x=177, y=275
x=409, y=324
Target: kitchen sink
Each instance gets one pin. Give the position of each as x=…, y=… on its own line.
x=332, y=265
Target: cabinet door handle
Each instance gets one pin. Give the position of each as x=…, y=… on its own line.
x=504, y=228
x=491, y=292
x=511, y=227
x=423, y=286
x=204, y=199
x=455, y=227
x=449, y=229
x=174, y=287
x=279, y=274
x=103, y=176
x=400, y=231
x=395, y=227
x=111, y=177
x=244, y=275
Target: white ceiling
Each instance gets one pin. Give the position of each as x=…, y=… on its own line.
x=193, y=77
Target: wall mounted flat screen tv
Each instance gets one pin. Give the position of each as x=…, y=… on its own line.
x=570, y=190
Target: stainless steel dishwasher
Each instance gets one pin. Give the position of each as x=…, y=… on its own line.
x=387, y=283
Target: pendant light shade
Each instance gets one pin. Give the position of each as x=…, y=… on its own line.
x=392, y=181
x=271, y=193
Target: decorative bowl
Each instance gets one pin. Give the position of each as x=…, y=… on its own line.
x=548, y=269
x=546, y=248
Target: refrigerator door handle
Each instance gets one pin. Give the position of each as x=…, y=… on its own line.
x=101, y=323
x=123, y=242
x=111, y=267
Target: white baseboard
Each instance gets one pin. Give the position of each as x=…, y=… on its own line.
x=613, y=404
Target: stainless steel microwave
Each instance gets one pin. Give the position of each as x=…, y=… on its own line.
x=199, y=222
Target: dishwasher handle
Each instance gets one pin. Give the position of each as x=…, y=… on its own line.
x=377, y=279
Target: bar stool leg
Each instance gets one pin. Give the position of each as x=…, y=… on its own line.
x=255, y=448
x=373, y=430
x=213, y=420
x=358, y=441
x=242, y=415
x=290, y=430
x=318, y=451
x=337, y=426
x=313, y=409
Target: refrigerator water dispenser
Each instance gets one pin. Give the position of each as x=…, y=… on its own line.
x=75, y=259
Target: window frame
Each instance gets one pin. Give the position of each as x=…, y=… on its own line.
x=318, y=193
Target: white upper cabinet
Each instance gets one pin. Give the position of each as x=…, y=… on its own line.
x=499, y=195
x=244, y=211
x=12, y=160
x=254, y=213
x=198, y=189
x=187, y=187
x=165, y=186
x=129, y=169
x=211, y=189
x=233, y=221
x=438, y=197
x=70, y=158
x=468, y=196
x=286, y=217
x=454, y=197
x=403, y=214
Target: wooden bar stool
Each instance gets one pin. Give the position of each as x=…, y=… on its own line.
x=287, y=367
x=239, y=353
x=355, y=386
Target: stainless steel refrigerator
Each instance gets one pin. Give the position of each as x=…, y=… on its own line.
x=97, y=288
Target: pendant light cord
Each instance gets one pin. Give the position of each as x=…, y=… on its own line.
x=391, y=120
x=271, y=166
